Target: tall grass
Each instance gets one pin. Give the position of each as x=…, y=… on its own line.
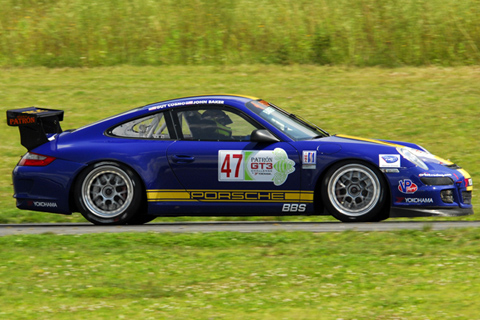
x=76, y=33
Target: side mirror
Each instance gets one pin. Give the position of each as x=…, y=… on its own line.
x=263, y=135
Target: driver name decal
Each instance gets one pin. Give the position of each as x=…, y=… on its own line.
x=248, y=165
x=185, y=103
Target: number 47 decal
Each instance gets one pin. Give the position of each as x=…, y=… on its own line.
x=231, y=162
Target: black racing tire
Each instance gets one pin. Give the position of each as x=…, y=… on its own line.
x=108, y=193
x=354, y=192
x=141, y=218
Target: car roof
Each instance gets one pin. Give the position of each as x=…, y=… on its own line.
x=216, y=99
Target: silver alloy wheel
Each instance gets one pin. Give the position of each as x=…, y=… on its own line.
x=107, y=191
x=354, y=190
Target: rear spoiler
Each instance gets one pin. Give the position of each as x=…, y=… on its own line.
x=34, y=124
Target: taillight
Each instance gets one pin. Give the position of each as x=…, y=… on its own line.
x=35, y=159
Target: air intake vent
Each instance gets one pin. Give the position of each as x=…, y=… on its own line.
x=467, y=197
x=453, y=166
x=437, y=181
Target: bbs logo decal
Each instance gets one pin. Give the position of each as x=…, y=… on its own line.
x=407, y=186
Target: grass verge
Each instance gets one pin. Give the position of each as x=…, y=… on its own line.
x=350, y=275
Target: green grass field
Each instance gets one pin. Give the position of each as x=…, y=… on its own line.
x=439, y=108
x=414, y=275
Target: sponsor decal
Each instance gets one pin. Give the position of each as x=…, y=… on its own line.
x=42, y=204
x=414, y=200
x=21, y=119
x=309, y=159
x=261, y=166
x=407, y=186
x=157, y=107
x=186, y=103
x=389, y=160
x=237, y=195
x=390, y=170
x=294, y=207
x=434, y=175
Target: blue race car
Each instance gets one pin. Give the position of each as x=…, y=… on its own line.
x=224, y=155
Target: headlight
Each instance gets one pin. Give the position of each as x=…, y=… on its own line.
x=410, y=156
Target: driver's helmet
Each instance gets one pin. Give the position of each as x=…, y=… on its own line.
x=218, y=116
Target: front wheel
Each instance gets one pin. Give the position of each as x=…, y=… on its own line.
x=354, y=192
x=108, y=194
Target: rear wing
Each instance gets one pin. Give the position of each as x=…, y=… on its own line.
x=34, y=124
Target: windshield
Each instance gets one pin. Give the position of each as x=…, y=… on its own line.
x=291, y=125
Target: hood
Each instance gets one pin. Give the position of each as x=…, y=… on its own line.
x=420, y=152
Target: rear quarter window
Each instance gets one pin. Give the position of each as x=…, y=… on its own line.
x=150, y=127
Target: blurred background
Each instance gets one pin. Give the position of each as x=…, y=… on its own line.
x=65, y=33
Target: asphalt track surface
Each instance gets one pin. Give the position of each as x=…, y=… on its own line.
x=236, y=226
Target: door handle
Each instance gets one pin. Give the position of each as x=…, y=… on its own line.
x=177, y=158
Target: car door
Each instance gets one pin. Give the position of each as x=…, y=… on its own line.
x=221, y=167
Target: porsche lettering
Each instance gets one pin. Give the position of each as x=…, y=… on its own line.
x=236, y=195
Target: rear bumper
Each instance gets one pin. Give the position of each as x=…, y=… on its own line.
x=46, y=188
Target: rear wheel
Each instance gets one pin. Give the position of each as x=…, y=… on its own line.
x=141, y=217
x=108, y=193
x=354, y=192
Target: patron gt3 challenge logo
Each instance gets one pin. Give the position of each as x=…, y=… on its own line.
x=407, y=186
x=244, y=165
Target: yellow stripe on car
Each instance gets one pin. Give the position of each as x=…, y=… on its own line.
x=369, y=140
x=159, y=195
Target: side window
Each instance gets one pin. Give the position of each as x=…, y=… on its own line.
x=150, y=127
x=214, y=124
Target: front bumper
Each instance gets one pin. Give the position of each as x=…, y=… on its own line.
x=410, y=212
x=441, y=191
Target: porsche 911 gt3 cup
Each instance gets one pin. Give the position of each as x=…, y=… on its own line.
x=224, y=155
